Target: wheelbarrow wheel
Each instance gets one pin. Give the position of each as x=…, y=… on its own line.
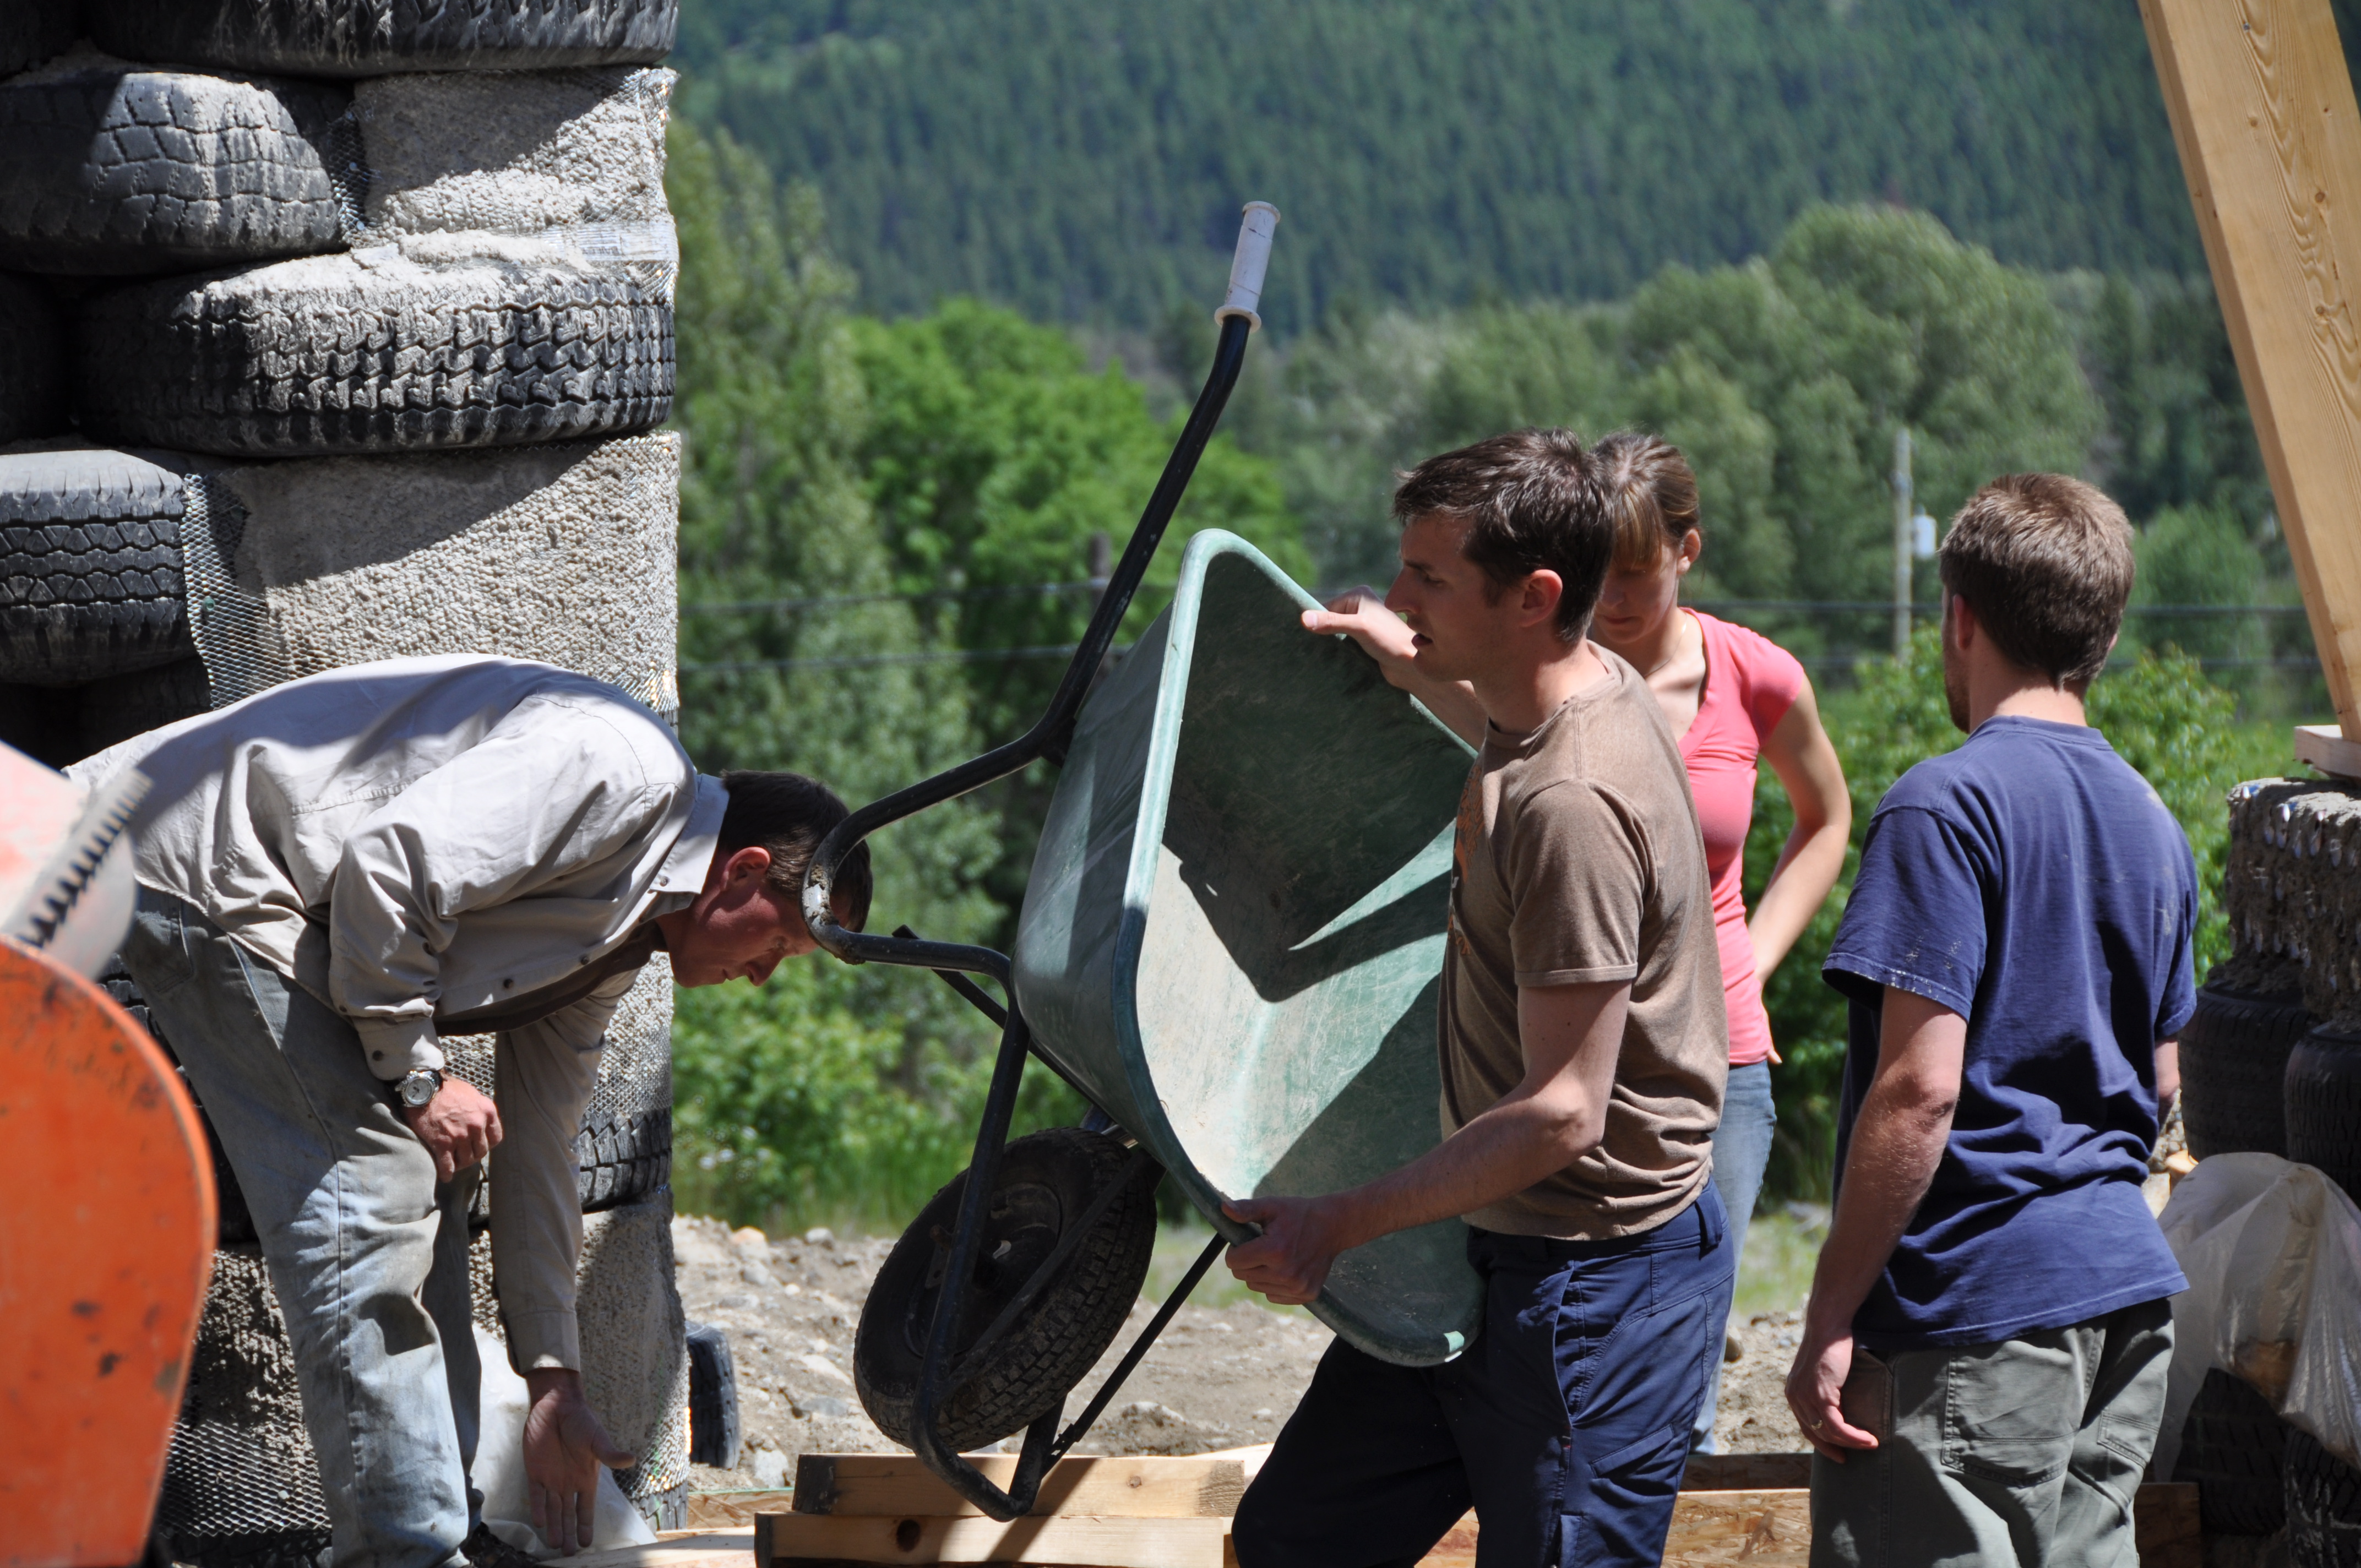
x=1046, y=1183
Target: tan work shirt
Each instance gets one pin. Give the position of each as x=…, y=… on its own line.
x=1577, y=861
x=432, y=838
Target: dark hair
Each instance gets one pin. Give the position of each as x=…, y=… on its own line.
x=789, y=815
x=2045, y=563
x=1531, y=502
x=1652, y=495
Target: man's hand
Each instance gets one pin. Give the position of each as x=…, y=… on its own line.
x=458, y=1126
x=1289, y=1262
x=1361, y=614
x=564, y=1446
x=1815, y=1393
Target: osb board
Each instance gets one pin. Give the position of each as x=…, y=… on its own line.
x=1075, y=1542
x=673, y=1548
x=1131, y=1486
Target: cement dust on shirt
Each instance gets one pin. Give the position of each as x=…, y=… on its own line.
x=1578, y=859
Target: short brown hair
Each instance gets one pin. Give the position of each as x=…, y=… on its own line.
x=1652, y=495
x=789, y=815
x=2045, y=563
x=1531, y=503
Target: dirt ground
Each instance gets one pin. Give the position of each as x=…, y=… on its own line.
x=1218, y=1379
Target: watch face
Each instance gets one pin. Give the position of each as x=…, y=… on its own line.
x=417, y=1091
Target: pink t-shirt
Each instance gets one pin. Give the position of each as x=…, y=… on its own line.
x=1749, y=684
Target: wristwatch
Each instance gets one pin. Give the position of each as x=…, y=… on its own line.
x=417, y=1086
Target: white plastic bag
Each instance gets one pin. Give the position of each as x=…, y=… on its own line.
x=2273, y=1255
x=500, y=1467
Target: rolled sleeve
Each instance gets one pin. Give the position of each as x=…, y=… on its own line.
x=398, y=1047
x=1576, y=870
x=542, y=1076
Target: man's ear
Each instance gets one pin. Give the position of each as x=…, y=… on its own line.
x=1537, y=600
x=1962, y=620
x=746, y=866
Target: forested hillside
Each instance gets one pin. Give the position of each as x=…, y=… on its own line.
x=1084, y=160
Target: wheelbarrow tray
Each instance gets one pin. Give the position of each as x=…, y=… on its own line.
x=1232, y=936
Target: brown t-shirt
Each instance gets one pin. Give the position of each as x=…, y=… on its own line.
x=1578, y=859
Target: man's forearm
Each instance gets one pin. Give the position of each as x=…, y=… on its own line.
x=1498, y=1155
x=1897, y=1142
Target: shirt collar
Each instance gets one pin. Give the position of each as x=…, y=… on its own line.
x=685, y=869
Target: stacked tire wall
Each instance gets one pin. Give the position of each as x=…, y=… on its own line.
x=334, y=331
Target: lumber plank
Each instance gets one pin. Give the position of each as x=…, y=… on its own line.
x=1771, y=1528
x=2264, y=117
x=1746, y=1472
x=1132, y=1487
x=800, y=1540
x=710, y=1510
x=673, y=1548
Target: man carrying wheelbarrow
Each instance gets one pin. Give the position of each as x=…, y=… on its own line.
x=1583, y=1051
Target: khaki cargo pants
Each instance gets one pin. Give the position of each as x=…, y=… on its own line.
x=2025, y=1452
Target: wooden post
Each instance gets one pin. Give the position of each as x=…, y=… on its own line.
x=2263, y=112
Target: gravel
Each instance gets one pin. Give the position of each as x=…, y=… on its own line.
x=1217, y=1379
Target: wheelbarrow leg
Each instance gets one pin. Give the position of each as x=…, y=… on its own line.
x=934, y=1376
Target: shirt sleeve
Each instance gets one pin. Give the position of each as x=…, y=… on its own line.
x=543, y=1075
x=1576, y=872
x=551, y=789
x=1915, y=918
x=2180, y=1000
x=1773, y=678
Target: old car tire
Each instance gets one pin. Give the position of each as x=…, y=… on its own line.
x=90, y=566
x=2233, y=1053
x=33, y=30
x=374, y=37
x=329, y=354
x=2323, y=1105
x=117, y=707
x=32, y=363
x=114, y=170
x=2323, y=1505
x=1046, y=1182
x=2231, y=1447
x=713, y=1431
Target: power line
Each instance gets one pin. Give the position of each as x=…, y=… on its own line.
x=830, y=601
x=872, y=661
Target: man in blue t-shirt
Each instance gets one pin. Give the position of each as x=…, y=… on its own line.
x=1983, y=1359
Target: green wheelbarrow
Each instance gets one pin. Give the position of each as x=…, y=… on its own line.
x=1230, y=946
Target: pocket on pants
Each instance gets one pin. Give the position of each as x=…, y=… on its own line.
x=2010, y=1414
x=155, y=950
x=1630, y=1509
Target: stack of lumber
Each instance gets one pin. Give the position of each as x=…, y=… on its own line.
x=1151, y=1512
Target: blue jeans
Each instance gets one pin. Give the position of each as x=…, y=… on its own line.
x=367, y=1256
x=1565, y=1426
x=1741, y=1149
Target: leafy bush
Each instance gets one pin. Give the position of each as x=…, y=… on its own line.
x=2159, y=713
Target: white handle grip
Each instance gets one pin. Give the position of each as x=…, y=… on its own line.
x=1252, y=260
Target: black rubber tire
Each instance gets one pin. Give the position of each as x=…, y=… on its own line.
x=2323, y=1106
x=116, y=170
x=622, y=1156
x=324, y=356
x=2323, y=1505
x=33, y=30
x=32, y=363
x=377, y=38
x=713, y=1432
x=90, y=568
x=43, y=722
x=117, y=709
x=2231, y=1447
x=1046, y=1182
x=2233, y=1053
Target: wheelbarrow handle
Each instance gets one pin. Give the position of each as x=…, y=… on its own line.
x=1238, y=322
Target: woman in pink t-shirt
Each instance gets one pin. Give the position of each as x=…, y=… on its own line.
x=1731, y=696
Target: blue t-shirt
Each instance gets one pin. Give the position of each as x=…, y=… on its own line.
x=2034, y=884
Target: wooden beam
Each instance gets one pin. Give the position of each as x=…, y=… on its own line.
x=789, y=1540
x=673, y=1548
x=1206, y=1487
x=1773, y=1528
x=2263, y=114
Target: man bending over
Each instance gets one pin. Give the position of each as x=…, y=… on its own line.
x=1583, y=1051
x=1983, y=1359
x=339, y=870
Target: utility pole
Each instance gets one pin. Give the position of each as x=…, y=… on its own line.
x=1903, y=542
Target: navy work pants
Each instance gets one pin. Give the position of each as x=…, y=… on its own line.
x=1566, y=1425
